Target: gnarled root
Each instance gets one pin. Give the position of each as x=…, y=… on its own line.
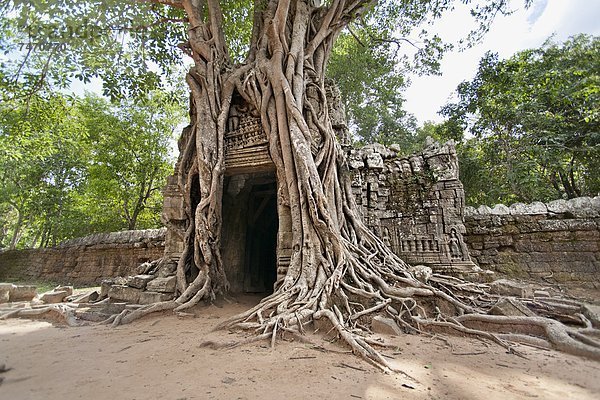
x=562, y=338
x=128, y=316
x=64, y=312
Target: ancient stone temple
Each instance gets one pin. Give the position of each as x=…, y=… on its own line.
x=415, y=205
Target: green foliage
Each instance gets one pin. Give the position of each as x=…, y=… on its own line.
x=371, y=59
x=371, y=89
x=73, y=166
x=55, y=41
x=535, y=121
x=129, y=44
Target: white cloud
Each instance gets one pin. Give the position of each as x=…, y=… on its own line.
x=509, y=34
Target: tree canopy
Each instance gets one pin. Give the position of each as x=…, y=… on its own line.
x=131, y=46
x=535, y=123
x=73, y=166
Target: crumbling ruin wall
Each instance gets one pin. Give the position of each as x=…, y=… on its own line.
x=84, y=260
x=557, y=242
x=414, y=204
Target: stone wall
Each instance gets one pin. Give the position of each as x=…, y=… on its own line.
x=414, y=204
x=557, y=242
x=84, y=260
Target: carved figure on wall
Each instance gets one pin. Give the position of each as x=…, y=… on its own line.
x=454, y=244
x=386, y=237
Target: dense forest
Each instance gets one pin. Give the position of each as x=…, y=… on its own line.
x=70, y=166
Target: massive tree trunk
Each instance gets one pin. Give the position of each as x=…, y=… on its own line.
x=338, y=267
x=339, y=270
x=291, y=45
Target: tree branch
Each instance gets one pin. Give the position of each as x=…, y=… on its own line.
x=170, y=3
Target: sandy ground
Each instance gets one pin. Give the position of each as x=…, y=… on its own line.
x=160, y=357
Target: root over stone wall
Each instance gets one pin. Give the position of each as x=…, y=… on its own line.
x=84, y=260
x=557, y=242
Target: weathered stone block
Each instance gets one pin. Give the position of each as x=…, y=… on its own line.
x=154, y=297
x=54, y=296
x=124, y=293
x=84, y=297
x=163, y=285
x=5, y=289
x=139, y=281
x=374, y=161
x=386, y=326
x=505, y=287
x=511, y=308
x=23, y=292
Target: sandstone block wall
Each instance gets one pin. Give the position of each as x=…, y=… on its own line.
x=85, y=260
x=557, y=242
x=414, y=204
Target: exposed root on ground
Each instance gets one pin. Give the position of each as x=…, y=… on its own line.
x=63, y=313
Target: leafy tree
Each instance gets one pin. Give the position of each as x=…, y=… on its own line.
x=72, y=166
x=130, y=159
x=42, y=163
x=339, y=270
x=536, y=121
x=370, y=81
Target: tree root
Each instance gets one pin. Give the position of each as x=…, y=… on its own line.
x=63, y=312
x=561, y=337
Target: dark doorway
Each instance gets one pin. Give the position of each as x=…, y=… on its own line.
x=260, y=266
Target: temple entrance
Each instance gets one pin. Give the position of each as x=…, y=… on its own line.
x=249, y=236
x=261, y=240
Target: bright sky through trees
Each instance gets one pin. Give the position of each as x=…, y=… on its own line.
x=523, y=29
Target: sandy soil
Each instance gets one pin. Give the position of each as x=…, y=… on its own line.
x=160, y=357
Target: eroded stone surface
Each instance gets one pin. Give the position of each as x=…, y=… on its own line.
x=510, y=307
x=505, y=287
x=385, y=326
x=163, y=285
x=124, y=293
x=54, y=296
x=139, y=281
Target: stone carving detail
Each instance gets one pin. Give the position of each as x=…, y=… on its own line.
x=244, y=130
x=415, y=204
x=246, y=144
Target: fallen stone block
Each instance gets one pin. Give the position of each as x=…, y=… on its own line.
x=385, y=326
x=511, y=308
x=592, y=312
x=124, y=293
x=83, y=297
x=139, y=281
x=22, y=292
x=5, y=289
x=505, y=287
x=163, y=285
x=154, y=297
x=54, y=296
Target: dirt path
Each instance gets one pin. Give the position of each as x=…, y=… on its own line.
x=160, y=358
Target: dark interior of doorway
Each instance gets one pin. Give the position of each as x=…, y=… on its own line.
x=260, y=266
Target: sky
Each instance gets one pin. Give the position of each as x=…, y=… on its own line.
x=524, y=29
